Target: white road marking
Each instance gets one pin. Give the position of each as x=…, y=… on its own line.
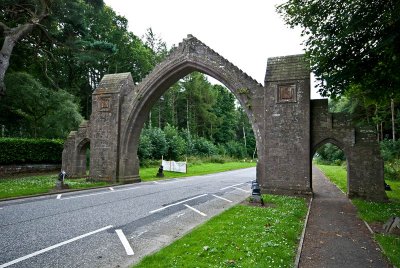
x=58, y=196
x=195, y=210
x=184, y=201
x=53, y=247
x=72, y=197
x=125, y=242
x=111, y=189
x=241, y=189
x=155, y=182
x=227, y=200
x=232, y=186
x=180, y=215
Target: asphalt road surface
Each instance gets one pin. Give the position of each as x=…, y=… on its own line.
x=113, y=227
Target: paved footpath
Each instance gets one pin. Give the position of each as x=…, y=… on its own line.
x=335, y=236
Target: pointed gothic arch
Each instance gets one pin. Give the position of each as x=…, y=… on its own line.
x=287, y=125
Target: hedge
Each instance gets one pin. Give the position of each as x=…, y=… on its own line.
x=30, y=151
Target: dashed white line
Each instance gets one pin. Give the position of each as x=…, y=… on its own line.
x=184, y=201
x=125, y=242
x=232, y=186
x=58, y=196
x=155, y=182
x=195, y=210
x=111, y=189
x=53, y=247
x=240, y=189
x=72, y=197
x=227, y=200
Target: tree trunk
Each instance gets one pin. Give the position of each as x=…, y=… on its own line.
x=393, y=122
x=12, y=36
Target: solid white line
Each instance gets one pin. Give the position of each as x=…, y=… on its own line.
x=111, y=189
x=231, y=186
x=59, y=196
x=53, y=247
x=227, y=200
x=184, y=201
x=125, y=242
x=195, y=210
x=241, y=189
x=72, y=197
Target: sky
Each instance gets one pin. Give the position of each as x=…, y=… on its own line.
x=244, y=32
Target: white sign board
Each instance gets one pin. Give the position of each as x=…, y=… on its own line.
x=174, y=166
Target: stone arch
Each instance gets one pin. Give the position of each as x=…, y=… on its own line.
x=81, y=163
x=191, y=55
x=365, y=178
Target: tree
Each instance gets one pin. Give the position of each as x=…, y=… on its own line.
x=25, y=16
x=38, y=111
x=350, y=42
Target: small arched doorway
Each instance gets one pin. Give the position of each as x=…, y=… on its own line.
x=83, y=158
x=329, y=157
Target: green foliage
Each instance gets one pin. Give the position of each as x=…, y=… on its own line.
x=31, y=151
x=390, y=151
x=243, y=236
x=37, y=111
x=152, y=144
x=350, y=42
x=176, y=144
x=329, y=154
x=203, y=147
x=235, y=149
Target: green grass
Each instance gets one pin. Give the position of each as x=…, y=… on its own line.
x=38, y=185
x=149, y=174
x=243, y=236
x=374, y=212
x=337, y=174
x=391, y=246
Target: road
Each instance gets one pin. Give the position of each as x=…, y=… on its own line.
x=113, y=227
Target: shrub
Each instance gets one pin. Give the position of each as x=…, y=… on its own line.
x=236, y=149
x=30, y=151
x=204, y=147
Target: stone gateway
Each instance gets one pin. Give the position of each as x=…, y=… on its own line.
x=288, y=126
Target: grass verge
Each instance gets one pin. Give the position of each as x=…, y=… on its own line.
x=149, y=174
x=38, y=185
x=373, y=212
x=243, y=236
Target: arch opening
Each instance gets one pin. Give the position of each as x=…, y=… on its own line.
x=83, y=158
x=195, y=118
x=330, y=157
x=156, y=94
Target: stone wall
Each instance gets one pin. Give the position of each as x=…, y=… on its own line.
x=9, y=170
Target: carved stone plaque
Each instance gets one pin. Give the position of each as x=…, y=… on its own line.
x=104, y=103
x=287, y=93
